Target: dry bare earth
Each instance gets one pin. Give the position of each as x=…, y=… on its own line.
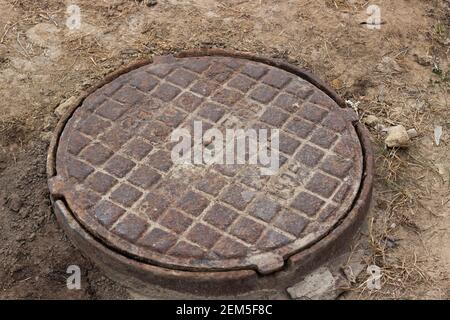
x=399, y=73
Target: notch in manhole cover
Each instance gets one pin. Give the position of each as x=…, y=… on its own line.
x=119, y=193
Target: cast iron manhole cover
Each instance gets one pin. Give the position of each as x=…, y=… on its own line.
x=113, y=169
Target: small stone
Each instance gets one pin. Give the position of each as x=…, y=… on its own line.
x=46, y=136
x=423, y=59
x=397, y=137
x=337, y=84
x=412, y=133
x=15, y=203
x=380, y=127
x=389, y=65
x=64, y=106
x=390, y=242
x=150, y=3
x=371, y=120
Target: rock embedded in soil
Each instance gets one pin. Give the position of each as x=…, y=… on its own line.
x=150, y=3
x=46, y=136
x=397, y=136
x=15, y=203
x=412, y=133
x=422, y=58
x=64, y=106
x=371, y=120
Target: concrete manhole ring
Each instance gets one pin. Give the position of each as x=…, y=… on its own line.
x=120, y=197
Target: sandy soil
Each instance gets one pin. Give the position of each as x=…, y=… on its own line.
x=398, y=73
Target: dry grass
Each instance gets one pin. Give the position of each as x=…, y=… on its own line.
x=403, y=181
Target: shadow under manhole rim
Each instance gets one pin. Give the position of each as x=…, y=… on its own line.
x=205, y=254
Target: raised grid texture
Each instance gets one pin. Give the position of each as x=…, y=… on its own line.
x=114, y=156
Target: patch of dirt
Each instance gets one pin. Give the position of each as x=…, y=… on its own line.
x=398, y=73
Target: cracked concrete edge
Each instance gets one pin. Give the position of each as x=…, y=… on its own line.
x=330, y=280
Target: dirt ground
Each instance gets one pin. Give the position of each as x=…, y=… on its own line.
x=399, y=73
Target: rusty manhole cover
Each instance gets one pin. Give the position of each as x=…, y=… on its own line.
x=112, y=169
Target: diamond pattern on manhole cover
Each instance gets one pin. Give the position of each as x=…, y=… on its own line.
x=115, y=172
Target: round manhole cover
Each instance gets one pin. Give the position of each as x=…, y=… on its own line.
x=115, y=170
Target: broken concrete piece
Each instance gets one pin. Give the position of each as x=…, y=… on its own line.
x=397, y=136
x=14, y=203
x=321, y=284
